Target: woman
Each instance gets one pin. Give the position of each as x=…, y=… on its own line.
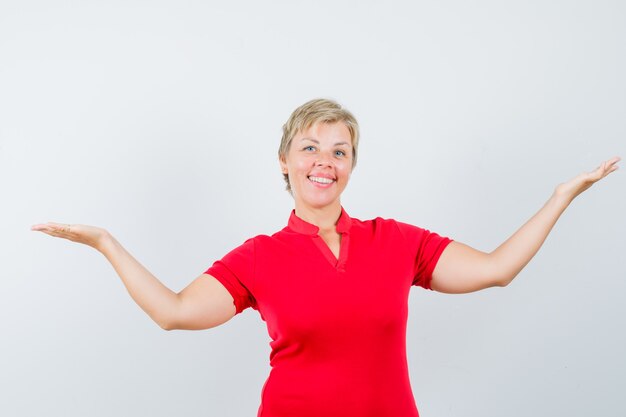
x=332, y=289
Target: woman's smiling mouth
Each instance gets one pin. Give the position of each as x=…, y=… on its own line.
x=321, y=180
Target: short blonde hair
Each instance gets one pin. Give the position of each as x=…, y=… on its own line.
x=316, y=111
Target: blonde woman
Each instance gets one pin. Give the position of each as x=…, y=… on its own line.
x=332, y=289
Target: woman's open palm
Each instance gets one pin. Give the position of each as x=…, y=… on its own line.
x=582, y=182
x=81, y=233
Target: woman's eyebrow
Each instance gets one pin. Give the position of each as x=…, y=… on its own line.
x=318, y=142
x=312, y=140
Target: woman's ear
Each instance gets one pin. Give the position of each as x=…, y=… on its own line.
x=283, y=164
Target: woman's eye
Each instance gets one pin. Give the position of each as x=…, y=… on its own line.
x=309, y=148
x=340, y=153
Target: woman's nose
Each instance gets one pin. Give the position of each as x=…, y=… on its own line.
x=322, y=162
x=323, y=159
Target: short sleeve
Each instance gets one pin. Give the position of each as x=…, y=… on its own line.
x=235, y=271
x=425, y=248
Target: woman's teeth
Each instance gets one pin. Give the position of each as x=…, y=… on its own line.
x=321, y=180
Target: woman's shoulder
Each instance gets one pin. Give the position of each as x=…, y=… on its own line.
x=375, y=220
x=386, y=224
x=264, y=239
x=376, y=224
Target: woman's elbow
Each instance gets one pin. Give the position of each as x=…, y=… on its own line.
x=167, y=326
x=503, y=281
x=166, y=323
x=497, y=276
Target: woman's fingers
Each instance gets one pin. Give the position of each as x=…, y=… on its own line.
x=606, y=168
x=55, y=229
x=611, y=163
x=52, y=228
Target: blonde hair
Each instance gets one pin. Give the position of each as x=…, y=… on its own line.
x=319, y=110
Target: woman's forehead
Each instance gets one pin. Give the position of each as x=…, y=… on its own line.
x=326, y=131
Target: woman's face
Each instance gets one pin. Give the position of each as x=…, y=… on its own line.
x=319, y=163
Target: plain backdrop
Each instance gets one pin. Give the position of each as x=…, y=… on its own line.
x=160, y=121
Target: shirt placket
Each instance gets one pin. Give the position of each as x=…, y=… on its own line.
x=340, y=263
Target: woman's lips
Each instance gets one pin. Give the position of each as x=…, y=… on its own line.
x=321, y=181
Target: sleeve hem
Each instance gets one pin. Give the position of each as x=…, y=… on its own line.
x=216, y=273
x=428, y=273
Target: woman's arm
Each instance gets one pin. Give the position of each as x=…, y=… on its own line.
x=462, y=269
x=158, y=301
x=203, y=304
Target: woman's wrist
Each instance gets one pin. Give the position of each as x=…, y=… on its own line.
x=563, y=195
x=104, y=242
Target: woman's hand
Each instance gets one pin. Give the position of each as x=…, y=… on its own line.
x=81, y=233
x=582, y=182
x=203, y=304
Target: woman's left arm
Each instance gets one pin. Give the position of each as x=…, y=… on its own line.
x=462, y=269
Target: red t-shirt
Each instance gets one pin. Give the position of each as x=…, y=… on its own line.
x=338, y=326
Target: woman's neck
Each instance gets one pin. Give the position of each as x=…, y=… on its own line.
x=325, y=218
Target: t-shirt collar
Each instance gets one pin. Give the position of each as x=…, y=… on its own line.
x=300, y=226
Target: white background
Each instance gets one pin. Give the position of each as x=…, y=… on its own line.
x=160, y=121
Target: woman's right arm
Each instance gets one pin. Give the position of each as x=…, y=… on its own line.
x=203, y=304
